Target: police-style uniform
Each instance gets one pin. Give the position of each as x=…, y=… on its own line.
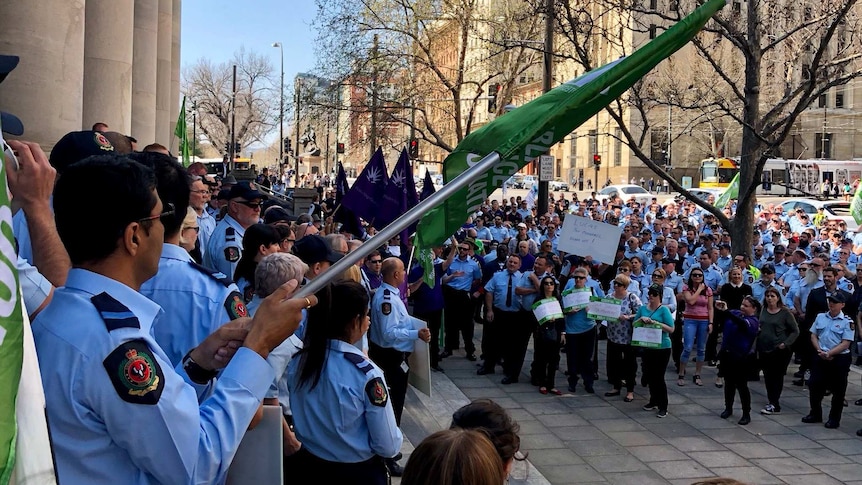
x=206, y=227
x=197, y=299
x=345, y=423
x=830, y=374
x=225, y=246
x=458, y=316
x=506, y=329
x=117, y=409
x=391, y=338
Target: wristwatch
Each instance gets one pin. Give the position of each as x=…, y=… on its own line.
x=196, y=373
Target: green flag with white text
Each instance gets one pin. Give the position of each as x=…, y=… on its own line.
x=731, y=192
x=527, y=132
x=856, y=205
x=11, y=332
x=182, y=133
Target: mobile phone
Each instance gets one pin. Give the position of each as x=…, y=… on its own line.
x=9, y=154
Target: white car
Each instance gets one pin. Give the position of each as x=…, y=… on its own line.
x=558, y=185
x=835, y=210
x=625, y=192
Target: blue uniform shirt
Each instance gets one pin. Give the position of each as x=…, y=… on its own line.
x=831, y=330
x=471, y=272
x=758, y=289
x=498, y=286
x=347, y=417
x=390, y=325
x=225, y=246
x=207, y=225
x=117, y=409
x=528, y=300
x=196, y=300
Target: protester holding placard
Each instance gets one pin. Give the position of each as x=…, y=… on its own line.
x=737, y=352
x=657, y=354
x=621, y=359
x=546, y=341
x=579, y=338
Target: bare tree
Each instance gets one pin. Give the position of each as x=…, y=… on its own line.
x=758, y=65
x=257, y=91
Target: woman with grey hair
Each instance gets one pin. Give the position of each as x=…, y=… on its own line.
x=189, y=231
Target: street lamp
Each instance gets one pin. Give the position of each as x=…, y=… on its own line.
x=280, y=111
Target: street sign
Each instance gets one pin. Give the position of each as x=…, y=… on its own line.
x=546, y=168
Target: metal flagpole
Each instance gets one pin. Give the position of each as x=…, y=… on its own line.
x=481, y=168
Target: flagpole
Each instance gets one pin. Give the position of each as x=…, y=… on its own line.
x=478, y=170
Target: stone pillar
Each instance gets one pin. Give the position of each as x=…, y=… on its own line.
x=45, y=90
x=176, y=97
x=108, y=37
x=144, y=72
x=163, y=73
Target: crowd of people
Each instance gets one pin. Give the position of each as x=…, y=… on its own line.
x=162, y=294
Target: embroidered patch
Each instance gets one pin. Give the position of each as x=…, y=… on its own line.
x=231, y=253
x=248, y=293
x=102, y=142
x=376, y=391
x=386, y=308
x=134, y=372
x=235, y=306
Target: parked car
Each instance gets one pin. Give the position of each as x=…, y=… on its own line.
x=835, y=210
x=517, y=181
x=529, y=180
x=558, y=185
x=703, y=194
x=625, y=192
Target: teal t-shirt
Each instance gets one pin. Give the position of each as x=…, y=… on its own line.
x=661, y=314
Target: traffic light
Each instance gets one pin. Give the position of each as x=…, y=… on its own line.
x=339, y=148
x=227, y=147
x=413, y=148
x=597, y=160
x=236, y=148
x=493, y=92
x=286, y=143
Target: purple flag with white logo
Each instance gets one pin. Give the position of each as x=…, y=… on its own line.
x=427, y=186
x=348, y=219
x=366, y=195
x=400, y=196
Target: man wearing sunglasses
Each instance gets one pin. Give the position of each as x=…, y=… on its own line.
x=225, y=245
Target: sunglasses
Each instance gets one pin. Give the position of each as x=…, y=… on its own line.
x=169, y=211
x=463, y=249
x=625, y=270
x=657, y=276
x=697, y=275
x=579, y=277
x=617, y=283
x=250, y=205
x=551, y=283
x=375, y=261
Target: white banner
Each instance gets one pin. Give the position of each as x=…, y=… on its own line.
x=586, y=237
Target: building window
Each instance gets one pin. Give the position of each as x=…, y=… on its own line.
x=618, y=147
x=594, y=142
x=823, y=145
x=652, y=31
x=839, y=99
x=573, y=150
x=658, y=146
x=653, y=4
x=821, y=101
x=736, y=8
x=674, y=5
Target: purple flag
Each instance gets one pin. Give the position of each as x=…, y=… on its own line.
x=365, y=196
x=349, y=221
x=427, y=186
x=400, y=196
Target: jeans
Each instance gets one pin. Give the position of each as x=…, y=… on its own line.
x=694, y=330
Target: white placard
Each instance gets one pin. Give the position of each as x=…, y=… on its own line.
x=585, y=237
x=646, y=335
x=546, y=168
x=259, y=456
x=576, y=298
x=547, y=310
x=419, y=372
x=604, y=309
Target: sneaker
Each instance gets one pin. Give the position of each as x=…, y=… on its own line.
x=770, y=409
x=649, y=406
x=662, y=414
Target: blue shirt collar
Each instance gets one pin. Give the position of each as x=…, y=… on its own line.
x=390, y=288
x=172, y=251
x=93, y=283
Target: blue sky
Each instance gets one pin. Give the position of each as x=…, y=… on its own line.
x=215, y=29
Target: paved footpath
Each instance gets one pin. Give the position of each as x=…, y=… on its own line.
x=588, y=438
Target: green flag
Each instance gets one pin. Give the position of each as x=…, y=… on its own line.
x=426, y=260
x=731, y=192
x=527, y=132
x=11, y=332
x=856, y=205
x=182, y=133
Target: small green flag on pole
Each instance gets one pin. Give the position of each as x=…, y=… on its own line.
x=856, y=205
x=731, y=192
x=529, y=131
x=181, y=133
x=426, y=260
x=11, y=333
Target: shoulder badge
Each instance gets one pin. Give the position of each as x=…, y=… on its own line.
x=231, y=253
x=359, y=361
x=376, y=391
x=386, y=308
x=216, y=275
x=248, y=293
x=114, y=314
x=229, y=233
x=134, y=372
x=235, y=306
x=386, y=292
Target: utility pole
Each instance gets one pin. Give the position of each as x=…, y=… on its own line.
x=232, y=149
x=297, y=85
x=373, y=131
x=547, y=78
x=280, y=113
x=194, y=127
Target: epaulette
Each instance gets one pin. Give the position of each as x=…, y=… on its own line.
x=359, y=361
x=230, y=234
x=386, y=293
x=216, y=275
x=114, y=314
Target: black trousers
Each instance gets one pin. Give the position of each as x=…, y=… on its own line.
x=774, y=365
x=622, y=365
x=831, y=375
x=803, y=348
x=459, y=319
x=494, y=339
x=735, y=369
x=655, y=365
x=546, y=358
x=712, y=343
x=390, y=360
x=676, y=338
x=579, y=356
x=313, y=469
x=515, y=339
x=435, y=321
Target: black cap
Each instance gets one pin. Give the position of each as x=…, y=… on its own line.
x=657, y=251
x=767, y=268
x=277, y=214
x=11, y=124
x=245, y=190
x=78, y=145
x=668, y=261
x=313, y=249
x=837, y=297
x=779, y=248
x=223, y=194
x=724, y=246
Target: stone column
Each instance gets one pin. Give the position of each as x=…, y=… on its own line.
x=144, y=72
x=176, y=97
x=108, y=38
x=163, y=73
x=45, y=90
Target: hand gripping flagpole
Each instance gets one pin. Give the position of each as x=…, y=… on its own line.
x=468, y=176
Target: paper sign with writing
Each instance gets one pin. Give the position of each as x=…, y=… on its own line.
x=586, y=237
x=646, y=335
x=547, y=310
x=604, y=309
x=576, y=298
